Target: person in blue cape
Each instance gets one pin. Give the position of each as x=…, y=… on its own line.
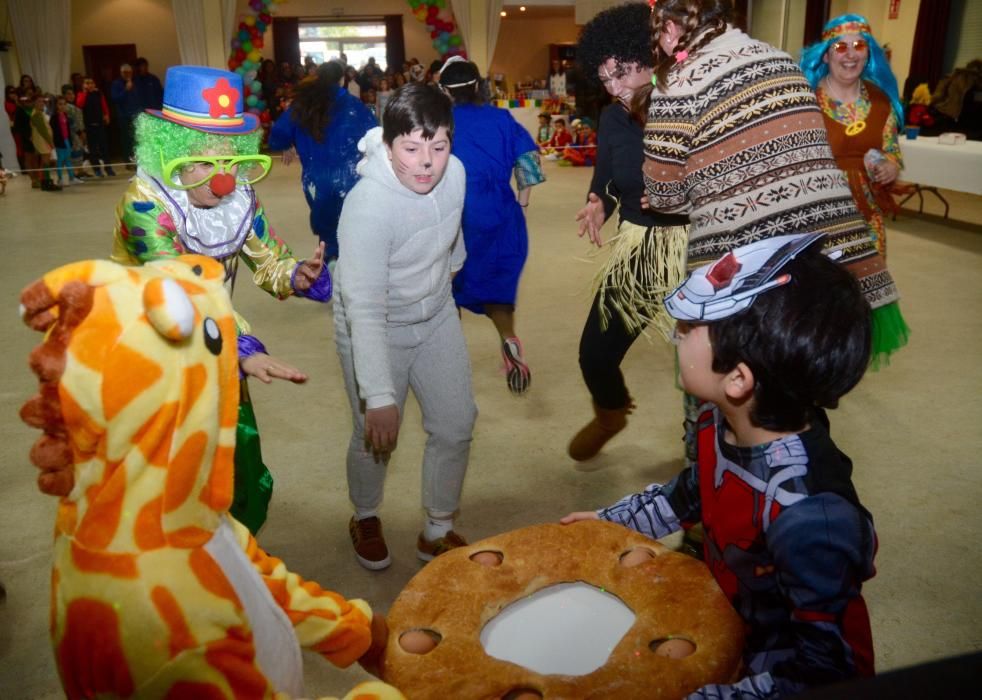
x=322, y=127
x=492, y=146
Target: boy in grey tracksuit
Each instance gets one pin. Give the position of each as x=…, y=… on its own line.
x=396, y=325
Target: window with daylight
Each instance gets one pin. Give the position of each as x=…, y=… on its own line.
x=323, y=40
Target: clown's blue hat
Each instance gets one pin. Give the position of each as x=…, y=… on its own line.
x=206, y=99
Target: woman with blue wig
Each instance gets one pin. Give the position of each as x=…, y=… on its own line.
x=858, y=96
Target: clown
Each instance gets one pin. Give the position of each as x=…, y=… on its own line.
x=197, y=160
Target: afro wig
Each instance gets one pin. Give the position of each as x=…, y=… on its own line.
x=622, y=33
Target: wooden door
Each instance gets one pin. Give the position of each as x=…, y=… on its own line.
x=102, y=62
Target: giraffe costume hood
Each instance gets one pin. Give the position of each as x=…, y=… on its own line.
x=156, y=592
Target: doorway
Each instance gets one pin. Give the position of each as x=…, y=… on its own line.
x=102, y=62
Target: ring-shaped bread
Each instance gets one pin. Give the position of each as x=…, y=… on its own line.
x=673, y=596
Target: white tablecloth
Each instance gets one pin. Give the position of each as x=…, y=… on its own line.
x=527, y=117
x=929, y=164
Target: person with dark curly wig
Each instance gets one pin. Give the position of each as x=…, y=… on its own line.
x=647, y=258
x=322, y=127
x=735, y=139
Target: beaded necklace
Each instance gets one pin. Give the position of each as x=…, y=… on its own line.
x=852, y=114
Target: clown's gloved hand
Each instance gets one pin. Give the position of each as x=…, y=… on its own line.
x=311, y=278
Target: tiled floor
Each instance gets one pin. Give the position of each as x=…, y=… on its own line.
x=912, y=429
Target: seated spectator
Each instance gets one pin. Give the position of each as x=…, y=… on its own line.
x=560, y=139
x=544, y=132
x=583, y=150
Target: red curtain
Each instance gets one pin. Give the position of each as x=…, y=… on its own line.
x=930, y=39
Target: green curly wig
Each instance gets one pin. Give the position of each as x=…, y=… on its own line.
x=159, y=141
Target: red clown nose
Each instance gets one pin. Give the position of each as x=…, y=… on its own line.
x=222, y=184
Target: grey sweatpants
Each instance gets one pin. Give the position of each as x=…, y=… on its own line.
x=431, y=357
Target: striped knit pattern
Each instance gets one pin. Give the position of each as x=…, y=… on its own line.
x=738, y=143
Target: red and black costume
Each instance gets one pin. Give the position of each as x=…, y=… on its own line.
x=788, y=542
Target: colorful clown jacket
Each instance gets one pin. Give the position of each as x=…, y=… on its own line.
x=789, y=544
x=154, y=222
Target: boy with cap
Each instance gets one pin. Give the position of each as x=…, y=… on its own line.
x=769, y=336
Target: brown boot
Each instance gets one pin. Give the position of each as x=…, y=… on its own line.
x=595, y=434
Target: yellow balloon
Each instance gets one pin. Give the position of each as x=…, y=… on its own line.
x=250, y=20
x=255, y=56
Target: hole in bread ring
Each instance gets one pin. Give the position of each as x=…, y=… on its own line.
x=488, y=558
x=636, y=555
x=419, y=641
x=673, y=647
x=522, y=694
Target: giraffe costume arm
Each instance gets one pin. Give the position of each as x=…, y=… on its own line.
x=337, y=629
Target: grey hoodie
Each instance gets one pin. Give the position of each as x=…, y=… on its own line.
x=397, y=252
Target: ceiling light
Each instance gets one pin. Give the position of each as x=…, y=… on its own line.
x=504, y=14
x=522, y=8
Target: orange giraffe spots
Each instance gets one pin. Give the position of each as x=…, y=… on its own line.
x=105, y=509
x=195, y=378
x=100, y=332
x=210, y=576
x=183, y=470
x=146, y=427
x=217, y=493
x=181, y=638
x=90, y=654
x=126, y=374
x=118, y=565
x=234, y=658
x=147, y=531
x=154, y=437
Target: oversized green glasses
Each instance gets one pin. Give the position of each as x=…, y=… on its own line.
x=247, y=170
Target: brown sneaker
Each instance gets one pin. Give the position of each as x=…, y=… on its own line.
x=370, y=549
x=426, y=550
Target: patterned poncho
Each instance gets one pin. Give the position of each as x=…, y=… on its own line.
x=737, y=142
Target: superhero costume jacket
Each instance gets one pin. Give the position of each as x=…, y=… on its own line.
x=788, y=542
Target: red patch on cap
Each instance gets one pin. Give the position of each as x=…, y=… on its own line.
x=721, y=273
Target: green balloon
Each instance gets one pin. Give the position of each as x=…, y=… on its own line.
x=455, y=40
x=247, y=46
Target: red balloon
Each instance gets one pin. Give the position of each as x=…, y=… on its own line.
x=257, y=43
x=240, y=55
x=434, y=34
x=432, y=11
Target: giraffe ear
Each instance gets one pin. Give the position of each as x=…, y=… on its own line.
x=168, y=308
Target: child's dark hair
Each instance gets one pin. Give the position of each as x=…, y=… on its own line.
x=313, y=99
x=466, y=78
x=807, y=342
x=416, y=106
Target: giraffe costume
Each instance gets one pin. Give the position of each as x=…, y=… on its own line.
x=156, y=592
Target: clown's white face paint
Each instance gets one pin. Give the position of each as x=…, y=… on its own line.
x=567, y=629
x=419, y=163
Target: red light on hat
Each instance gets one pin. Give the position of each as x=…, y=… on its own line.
x=721, y=273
